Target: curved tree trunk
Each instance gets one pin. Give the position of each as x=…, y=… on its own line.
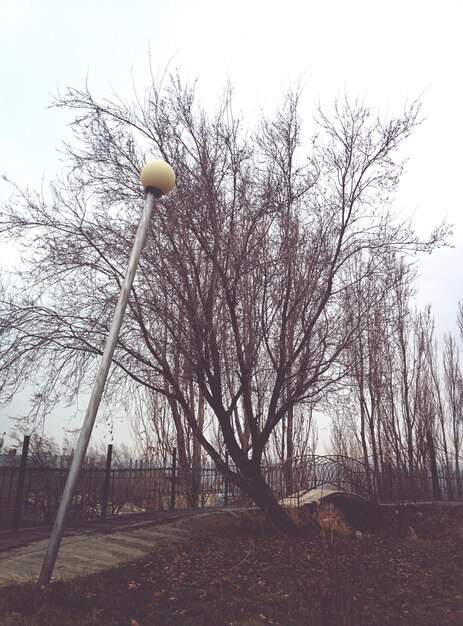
x=253, y=483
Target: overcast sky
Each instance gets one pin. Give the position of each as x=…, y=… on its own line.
x=385, y=52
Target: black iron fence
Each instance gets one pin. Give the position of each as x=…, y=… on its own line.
x=294, y=477
x=30, y=492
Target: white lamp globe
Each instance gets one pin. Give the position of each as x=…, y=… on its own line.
x=158, y=177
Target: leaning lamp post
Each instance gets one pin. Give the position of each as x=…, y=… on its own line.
x=158, y=178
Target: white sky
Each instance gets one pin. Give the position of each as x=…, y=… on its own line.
x=386, y=52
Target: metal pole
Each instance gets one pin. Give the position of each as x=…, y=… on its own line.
x=87, y=427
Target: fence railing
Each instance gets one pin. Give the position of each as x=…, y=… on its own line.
x=297, y=476
x=30, y=493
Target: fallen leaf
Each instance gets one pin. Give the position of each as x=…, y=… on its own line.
x=133, y=622
x=132, y=584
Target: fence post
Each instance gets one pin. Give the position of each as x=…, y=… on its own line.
x=225, y=497
x=20, y=486
x=172, y=480
x=107, y=478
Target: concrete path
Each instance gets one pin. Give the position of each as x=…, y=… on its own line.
x=90, y=552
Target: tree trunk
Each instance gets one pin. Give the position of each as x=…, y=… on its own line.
x=411, y=465
x=251, y=481
x=289, y=453
x=436, y=492
x=457, y=470
x=363, y=439
x=448, y=474
x=265, y=499
x=196, y=459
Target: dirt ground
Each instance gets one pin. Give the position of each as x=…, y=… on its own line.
x=406, y=570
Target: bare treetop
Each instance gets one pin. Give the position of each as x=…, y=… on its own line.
x=243, y=292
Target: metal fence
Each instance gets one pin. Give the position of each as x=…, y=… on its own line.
x=30, y=492
x=297, y=476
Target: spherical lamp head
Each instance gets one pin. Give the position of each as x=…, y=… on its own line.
x=157, y=177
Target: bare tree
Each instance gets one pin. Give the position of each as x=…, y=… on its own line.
x=239, y=299
x=453, y=385
x=460, y=319
x=367, y=355
x=372, y=362
x=441, y=415
x=394, y=386
x=344, y=431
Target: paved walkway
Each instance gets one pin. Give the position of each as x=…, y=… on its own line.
x=93, y=550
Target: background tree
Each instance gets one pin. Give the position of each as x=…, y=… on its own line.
x=400, y=408
x=238, y=312
x=453, y=386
